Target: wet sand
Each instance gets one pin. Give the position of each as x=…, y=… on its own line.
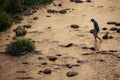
x=52, y=35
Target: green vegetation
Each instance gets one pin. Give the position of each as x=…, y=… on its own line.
x=34, y=2
x=5, y=21
x=14, y=7
x=20, y=46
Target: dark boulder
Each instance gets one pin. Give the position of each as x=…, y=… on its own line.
x=113, y=29
x=117, y=24
x=105, y=36
x=74, y=26
x=104, y=28
x=78, y=1
x=118, y=30
x=35, y=18
x=20, y=32
x=88, y=0
x=52, y=58
x=111, y=23
x=62, y=11
x=47, y=71
x=72, y=0
x=27, y=26
x=71, y=74
x=110, y=37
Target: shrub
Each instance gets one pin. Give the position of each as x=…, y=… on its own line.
x=33, y=2
x=20, y=46
x=12, y=6
x=5, y=21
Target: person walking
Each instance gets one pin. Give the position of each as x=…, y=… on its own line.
x=96, y=30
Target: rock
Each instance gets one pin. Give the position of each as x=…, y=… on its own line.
x=112, y=50
x=48, y=16
x=104, y=28
x=52, y=58
x=58, y=54
x=72, y=0
x=62, y=11
x=44, y=63
x=71, y=74
x=117, y=24
x=79, y=61
x=20, y=32
x=92, y=31
x=68, y=65
x=27, y=26
x=113, y=29
x=47, y=71
x=60, y=5
x=88, y=0
x=111, y=23
x=78, y=1
x=40, y=58
x=110, y=37
x=50, y=11
x=105, y=36
x=92, y=48
x=74, y=26
x=35, y=18
x=118, y=30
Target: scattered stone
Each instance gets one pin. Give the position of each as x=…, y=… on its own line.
x=27, y=26
x=112, y=50
x=60, y=5
x=117, y=24
x=92, y=48
x=88, y=0
x=80, y=61
x=71, y=74
x=40, y=72
x=48, y=16
x=113, y=29
x=35, y=18
x=62, y=11
x=74, y=26
x=44, y=63
x=104, y=28
x=47, y=71
x=118, y=30
x=75, y=65
x=58, y=54
x=111, y=23
x=50, y=11
x=72, y=0
x=52, y=58
x=105, y=36
x=110, y=37
x=40, y=58
x=20, y=71
x=101, y=60
x=68, y=65
x=78, y=1
x=20, y=31
x=25, y=63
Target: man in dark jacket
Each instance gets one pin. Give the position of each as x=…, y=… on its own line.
x=96, y=30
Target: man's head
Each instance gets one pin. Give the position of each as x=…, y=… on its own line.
x=92, y=20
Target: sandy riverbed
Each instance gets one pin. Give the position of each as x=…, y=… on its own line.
x=104, y=65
